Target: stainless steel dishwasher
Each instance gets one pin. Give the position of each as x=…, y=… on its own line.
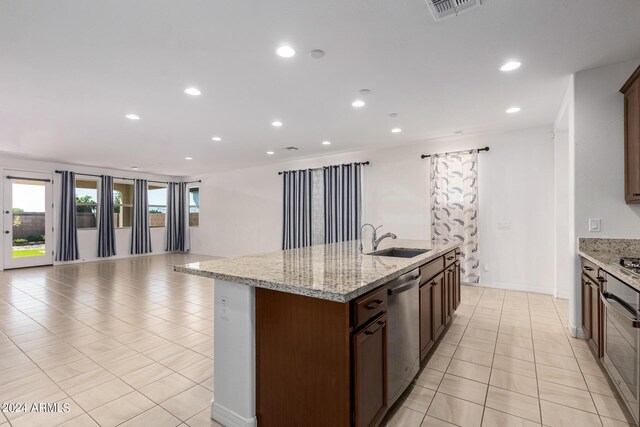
x=403, y=334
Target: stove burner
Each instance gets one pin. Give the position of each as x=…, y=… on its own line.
x=632, y=264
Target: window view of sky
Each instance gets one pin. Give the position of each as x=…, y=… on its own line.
x=28, y=197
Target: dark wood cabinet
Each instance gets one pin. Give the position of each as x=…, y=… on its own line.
x=586, y=308
x=631, y=91
x=370, y=373
x=596, y=324
x=438, y=315
x=426, y=324
x=456, y=287
x=593, y=280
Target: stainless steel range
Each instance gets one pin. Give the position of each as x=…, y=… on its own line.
x=622, y=335
x=632, y=264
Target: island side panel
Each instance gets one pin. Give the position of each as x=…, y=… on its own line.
x=302, y=361
x=234, y=354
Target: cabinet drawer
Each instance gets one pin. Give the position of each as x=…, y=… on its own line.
x=429, y=270
x=591, y=270
x=369, y=306
x=450, y=258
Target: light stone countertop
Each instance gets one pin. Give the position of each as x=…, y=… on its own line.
x=335, y=272
x=606, y=254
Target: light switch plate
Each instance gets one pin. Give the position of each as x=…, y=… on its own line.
x=594, y=225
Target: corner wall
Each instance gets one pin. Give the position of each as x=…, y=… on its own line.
x=241, y=210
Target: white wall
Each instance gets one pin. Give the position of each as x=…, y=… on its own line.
x=599, y=153
x=597, y=144
x=87, y=239
x=241, y=210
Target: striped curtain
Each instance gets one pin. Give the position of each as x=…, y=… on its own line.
x=106, y=227
x=67, y=249
x=176, y=217
x=342, y=202
x=140, y=232
x=296, y=204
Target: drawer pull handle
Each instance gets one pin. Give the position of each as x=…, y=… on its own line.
x=449, y=258
x=601, y=279
x=586, y=267
x=380, y=325
x=636, y=194
x=373, y=305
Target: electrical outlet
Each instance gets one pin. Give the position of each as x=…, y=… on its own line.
x=485, y=267
x=224, y=308
x=594, y=225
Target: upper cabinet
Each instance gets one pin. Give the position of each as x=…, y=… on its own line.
x=631, y=91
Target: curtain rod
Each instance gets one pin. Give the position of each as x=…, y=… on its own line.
x=330, y=166
x=424, y=156
x=129, y=179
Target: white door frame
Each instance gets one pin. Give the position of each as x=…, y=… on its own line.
x=7, y=232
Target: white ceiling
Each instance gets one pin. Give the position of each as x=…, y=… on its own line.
x=71, y=69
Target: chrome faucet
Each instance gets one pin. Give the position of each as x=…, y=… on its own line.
x=375, y=240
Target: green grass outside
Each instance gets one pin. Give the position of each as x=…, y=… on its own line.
x=19, y=253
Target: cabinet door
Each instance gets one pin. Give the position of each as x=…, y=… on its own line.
x=450, y=280
x=632, y=143
x=370, y=372
x=426, y=324
x=456, y=278
x=595, y=318
x=586, y=308
x=438, y=315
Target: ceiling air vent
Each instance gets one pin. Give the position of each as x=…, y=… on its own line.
x=290, y=148
x=444, y=8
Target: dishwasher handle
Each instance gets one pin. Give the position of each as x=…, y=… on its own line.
x=403, y=288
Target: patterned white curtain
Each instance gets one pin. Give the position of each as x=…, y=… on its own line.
x=454, y=206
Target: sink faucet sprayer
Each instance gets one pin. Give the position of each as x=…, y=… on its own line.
x=375, y=240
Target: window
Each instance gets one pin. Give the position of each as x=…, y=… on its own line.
x=122, y=204
x=194, y=206
x=157, y=205
x=86, y=203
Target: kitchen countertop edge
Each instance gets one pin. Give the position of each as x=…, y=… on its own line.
x=319, y=293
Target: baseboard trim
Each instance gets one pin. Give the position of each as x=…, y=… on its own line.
x=576, y=332
x=229, y=418
x=513, y=287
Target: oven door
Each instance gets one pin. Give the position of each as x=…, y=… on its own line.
x=622, y=336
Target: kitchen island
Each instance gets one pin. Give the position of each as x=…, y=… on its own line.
x=300, y=336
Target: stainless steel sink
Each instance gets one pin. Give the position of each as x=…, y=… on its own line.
x=399, y=252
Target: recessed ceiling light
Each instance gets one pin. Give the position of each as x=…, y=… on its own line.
x=285, y=51
x=276, y=124
x=216, y=138
x=396, y=130
x=188, y=158
x=513, y=110
x=192, y=91
x=135, y=168
x=510, y=66
x=270, y=153
x=364, y=92
x=358, y=103
x=132, y=117
x=326, y=142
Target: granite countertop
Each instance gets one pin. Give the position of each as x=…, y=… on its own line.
x=606, y=254
x=335, y=272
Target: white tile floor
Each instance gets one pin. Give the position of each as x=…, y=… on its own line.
x=129, y=342
x=508, y=360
